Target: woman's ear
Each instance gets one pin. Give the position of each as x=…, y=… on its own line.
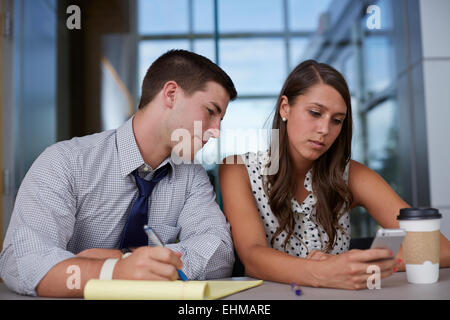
x=169, y=93
x=284, y=107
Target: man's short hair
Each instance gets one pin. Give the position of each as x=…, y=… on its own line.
x=189, y=70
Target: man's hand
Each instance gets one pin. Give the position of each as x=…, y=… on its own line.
x=145, y=263
x=149, y=263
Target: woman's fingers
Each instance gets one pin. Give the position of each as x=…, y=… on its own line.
x=363, y=264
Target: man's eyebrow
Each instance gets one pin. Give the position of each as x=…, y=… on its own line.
x=326, y=108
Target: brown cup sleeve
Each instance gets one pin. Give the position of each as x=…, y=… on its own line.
x=419, y=247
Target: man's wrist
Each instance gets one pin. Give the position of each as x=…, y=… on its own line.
x=107, y=270
x=100, y=253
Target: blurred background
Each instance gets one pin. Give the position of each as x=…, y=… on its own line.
x=72, y=71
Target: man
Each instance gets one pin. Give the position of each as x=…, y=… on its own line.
x=76, y=210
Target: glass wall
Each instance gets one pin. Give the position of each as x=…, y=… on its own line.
x=30, y=114
x=362, y=47
x=379, y=107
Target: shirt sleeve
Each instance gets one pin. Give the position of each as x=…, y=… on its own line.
x=41, y=223
x=205, y=237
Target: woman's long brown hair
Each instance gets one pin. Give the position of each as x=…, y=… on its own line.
x=329, y=187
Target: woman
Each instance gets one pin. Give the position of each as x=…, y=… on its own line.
x=288, y=231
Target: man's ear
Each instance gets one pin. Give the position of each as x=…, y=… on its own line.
x=169, y=93
x=284, y=107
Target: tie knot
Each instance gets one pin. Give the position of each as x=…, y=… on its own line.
x=145, y=187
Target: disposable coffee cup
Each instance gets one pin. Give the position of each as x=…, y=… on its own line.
x=421, y=246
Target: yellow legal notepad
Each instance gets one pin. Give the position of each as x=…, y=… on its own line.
x=163, y=290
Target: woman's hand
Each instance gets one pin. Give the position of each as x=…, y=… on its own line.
x=350, y=270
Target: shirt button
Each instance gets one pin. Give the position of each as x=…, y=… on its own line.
x=145, y=169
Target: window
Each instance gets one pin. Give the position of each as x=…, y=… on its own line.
x=163, y=17
x=250, y=16
x=304, y=15
x=378, y=62
x=366, y=58
x=383, y=136
x=257, y=66
x=379, y=108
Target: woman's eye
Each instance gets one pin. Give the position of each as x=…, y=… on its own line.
x=337, y=121
x=315, y=114
x=211, y=112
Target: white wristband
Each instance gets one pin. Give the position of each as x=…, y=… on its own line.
x=107, y=270
x=126, y=255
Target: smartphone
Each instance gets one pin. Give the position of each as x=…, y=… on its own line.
x=389, y=239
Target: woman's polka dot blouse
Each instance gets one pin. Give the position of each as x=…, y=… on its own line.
x=308, y=234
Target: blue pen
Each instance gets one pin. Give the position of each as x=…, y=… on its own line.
x=157, y=241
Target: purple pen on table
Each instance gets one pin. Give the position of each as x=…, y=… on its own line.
x=157, y=241
x=296, y=289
